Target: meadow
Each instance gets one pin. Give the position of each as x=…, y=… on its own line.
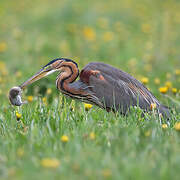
x=54, y=137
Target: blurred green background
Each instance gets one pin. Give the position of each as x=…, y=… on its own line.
x=140, y=37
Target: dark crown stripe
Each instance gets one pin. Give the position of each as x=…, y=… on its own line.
x=65, y=59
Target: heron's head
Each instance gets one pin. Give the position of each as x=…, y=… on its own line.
x=51, y=67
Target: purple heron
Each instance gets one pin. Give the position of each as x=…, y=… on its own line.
x=99, y=84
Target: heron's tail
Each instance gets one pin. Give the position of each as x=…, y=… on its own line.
x=164, y=110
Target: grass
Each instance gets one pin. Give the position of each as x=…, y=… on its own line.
x=139, y=37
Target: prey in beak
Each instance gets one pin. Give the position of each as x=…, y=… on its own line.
x=16, y=92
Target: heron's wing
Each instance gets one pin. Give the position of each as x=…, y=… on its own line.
x=115, y=88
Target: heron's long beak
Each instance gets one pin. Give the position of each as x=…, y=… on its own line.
x=42, y=73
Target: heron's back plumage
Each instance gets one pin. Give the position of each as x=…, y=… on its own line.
x=117, y=89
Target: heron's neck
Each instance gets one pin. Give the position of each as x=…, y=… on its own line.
x=69, y=73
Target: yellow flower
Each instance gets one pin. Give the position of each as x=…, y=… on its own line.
x=146, y=28
x=106, y=173
x=177, y=126
x=157, y=81
x=163, y=90
x=153, y=106
x=30, y=98
x=174, y=90
x=89, y=33
x=168, y=84
x=3, y=47
x=144, y=80
x=18, y=74
x=168, y=75
x=44, y=99
x=49, y=91
x=20, y=152
x=108, y=36
x=18, y=115
x=92, y=136
x=87, y=106
x=50, y=163
x=147, y=133
x=177, y=72
x=164, y=126
x=64, y=138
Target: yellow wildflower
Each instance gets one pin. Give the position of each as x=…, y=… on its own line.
x=18, y=115
x=177, y=126
x=89, y=33
x=30, y=98
x=44, y=99
x=168, y=84
x=174, y=90
x=146, y=28
x=106, y=173
x=50, y=163
x=64, y=138
x=163, y=89
x=147, y=133
x=3, y=47
x=18, y=74
x=87, y=106
x=177, y=72
x=153, y=106
x=168, y=75
x=108, y=36
x=49, y=91
x=164, y=126
x=92, y=136
x=144, y=80
x=20, y=152
x=157, y=81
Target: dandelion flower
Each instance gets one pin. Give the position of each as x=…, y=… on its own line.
x=50, y=163
x=147, y=133
x=49, y=91
x=157, y=81
x=106, y=173
x=87, y=106
x=18, y=74
x=168, y=84
x=164, y=126
x=92, y=136
x=177, y=72
x=168, y=75
x=108, y=36
x=44, y=100
x=89, y=34
x=163, y=89
x=177, y=126
x=3, y=47
x=20, y=152
x=174, y=90
x=64, y=138
x=146, y=28
x=18, y=116
x=153, y=106
x=30, y=98
x=144, y=80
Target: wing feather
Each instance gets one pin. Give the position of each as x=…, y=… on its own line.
x=116, y=89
